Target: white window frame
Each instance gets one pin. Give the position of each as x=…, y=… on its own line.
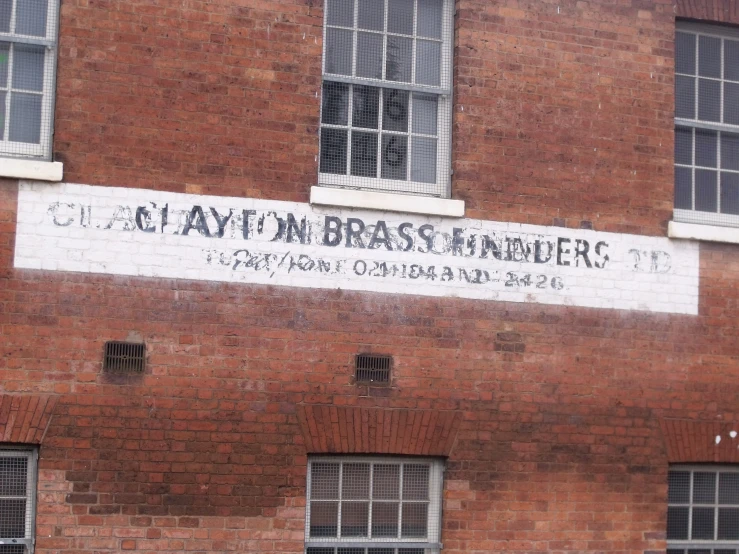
x=695, y=216
x=431, y=544
x=41, y=151
x=685, y=545
x=444, y=115
x=31, y=454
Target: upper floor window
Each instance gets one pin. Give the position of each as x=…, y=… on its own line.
x=368, y=505
x=17, y=500
x=386, y=109
x=703, y=510
x=707, y=124
x=28, y=30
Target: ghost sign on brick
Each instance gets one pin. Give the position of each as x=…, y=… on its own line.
x=147, y=233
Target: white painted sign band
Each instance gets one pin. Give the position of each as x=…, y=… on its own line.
x=123, y=231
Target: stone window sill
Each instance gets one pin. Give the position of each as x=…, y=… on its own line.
x=388, y=202
x=35, y=170
x=710, y=233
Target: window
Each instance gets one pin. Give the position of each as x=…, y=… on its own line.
x=707, y=125
x=17, y=500
x=373, y=506
x=28, y=31
x=386, y=107
x=703, y=510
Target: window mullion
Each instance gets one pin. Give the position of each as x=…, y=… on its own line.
x=400, y=498
x=338, y=512
x=371, y=498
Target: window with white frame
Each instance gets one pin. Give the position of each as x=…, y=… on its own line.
x=367, y=505
x=386, y=106
x=17, y=500
x=703, y=510
x=707, y=124
x=28, y=30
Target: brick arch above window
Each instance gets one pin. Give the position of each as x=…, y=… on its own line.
x=25, y=418
x=348, y=430
x=690, y=441
x=719, y=11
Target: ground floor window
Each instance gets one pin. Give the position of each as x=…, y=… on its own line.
x=17, y=500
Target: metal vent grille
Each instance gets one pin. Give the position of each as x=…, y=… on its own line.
x=124, y=357
x=372, y=368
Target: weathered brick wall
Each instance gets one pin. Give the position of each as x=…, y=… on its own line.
x=561, y=446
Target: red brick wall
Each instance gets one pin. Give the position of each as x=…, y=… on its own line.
x=560, y=448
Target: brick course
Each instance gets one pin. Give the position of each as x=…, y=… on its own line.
x=563, y=116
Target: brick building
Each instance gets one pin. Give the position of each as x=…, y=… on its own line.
x=365, y=277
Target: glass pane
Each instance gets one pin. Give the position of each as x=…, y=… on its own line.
x=731, y=60
x=728, y=524
x=705, y=192
x=709, y=57
x=324, y=481
x=678, y=487
x=4, y=58
x=704, y=486
x=398, y=63
x=13, y=475
x=25, y=118
x=31, y=17
x=366, y=107
x=322, y=551
x=394, y=157
x=729, y=160
x=728, y=483
x=684, y=97
x=371, y=14
x=414, y=520
x=364, y=154
x=338, y=51
x=6, y=8
x=731, y=103
x=411, y=551
x=415, y=482
x=355, y=482
x=685, y=53
x=28, y=67
x=730, y=205
x=395, y=110
x=324, y=517
x=385, y=519
x=424, y=114
x=677, y=523
x=350, y=551
x=385, y=481
x=675, y=551
x=699, y=551
x=683, y=188
x=333, y=160
x=428, y=63
x=369, y=55
x=400, y=17
x=706, y=152
x=423, y=163
x=15, y=549
x=429, y=18
x=709, y=103
x=354, y=519
x=12, y=518
x=683, y=145
x=383, y=551
x=340, y=12
x=335, y=103
x=702, y=523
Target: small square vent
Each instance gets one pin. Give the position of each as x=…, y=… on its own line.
x=371, y=368
x=124, y=357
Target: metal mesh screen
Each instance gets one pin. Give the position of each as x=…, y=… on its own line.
x=703, y=507
x=372, y=368
x=17, y=493
x=386, y=108
x=124, y=357
x=707, y=126
x=27, y=68
x=362, y=502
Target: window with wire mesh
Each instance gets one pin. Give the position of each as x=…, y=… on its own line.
x=124, y=357
x=372, y=368
x=28, y=31
x=386, y=106
x=703, y=510
x=707, y=125
x=373, y=506
x=17, y=495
